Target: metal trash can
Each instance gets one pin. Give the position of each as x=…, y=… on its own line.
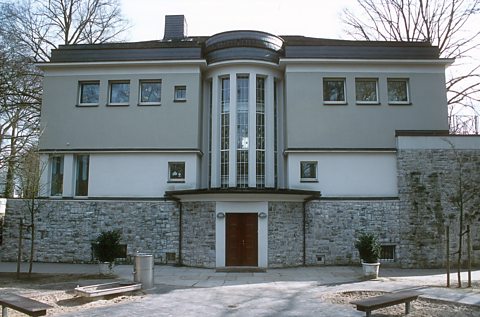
x=143, y=270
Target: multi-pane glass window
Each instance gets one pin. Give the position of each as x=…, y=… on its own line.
x=398, y=91
x=56, y=176
x=366, y=90
x=334, y=90
x=260, y=131
x=225, y=132
x=81, y=176
x=150, y=91
x=308, y=171
x=176, y=171
x=242, y=131
x=89, y=93
x=119, y=93
x=180, y=93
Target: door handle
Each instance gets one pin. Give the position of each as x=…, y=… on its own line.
x=243, y=242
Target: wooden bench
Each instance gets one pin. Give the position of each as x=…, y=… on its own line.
x=377, y=302
x=22, y=304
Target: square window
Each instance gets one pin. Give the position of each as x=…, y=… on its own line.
x=150, y=92
x=56, y=176
x=180, y=93
x=398, y=91
x=89, y=93
x=366, y=91
x=176, y=172
x=119, y=93
x=387, y=253
x=308, y=171
x=334, y=91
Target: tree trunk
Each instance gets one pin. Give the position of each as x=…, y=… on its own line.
x=32, y=241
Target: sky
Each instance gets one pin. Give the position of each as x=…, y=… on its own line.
x=316, y=18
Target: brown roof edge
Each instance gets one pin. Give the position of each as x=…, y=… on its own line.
x=276, y=191
x=421, y=133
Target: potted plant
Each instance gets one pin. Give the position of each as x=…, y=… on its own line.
x=106, y=248
x=369, y=248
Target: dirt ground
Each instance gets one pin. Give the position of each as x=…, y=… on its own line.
x=57, y=291
x=419, y=308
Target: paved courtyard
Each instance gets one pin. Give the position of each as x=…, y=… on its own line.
x=181, y=291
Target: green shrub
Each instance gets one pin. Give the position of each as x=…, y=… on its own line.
x=107, y=246
x=369, y=248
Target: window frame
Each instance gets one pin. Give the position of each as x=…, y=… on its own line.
x=77, y=162
x=309, y=179
x=407, y=88
x=53, y=158
x=177, y=88
x=174, y=179
x=110, y=90
x=367, y=102
x=81, y=83
x=335, y=102
x=149, y=103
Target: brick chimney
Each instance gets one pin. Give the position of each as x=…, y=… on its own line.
x=175, y=27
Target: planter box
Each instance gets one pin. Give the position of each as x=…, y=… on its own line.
x=370, y=270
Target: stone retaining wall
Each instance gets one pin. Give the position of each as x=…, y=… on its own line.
x=285, y=234
x=333, y=225
x=65, y=229
x=428, y=180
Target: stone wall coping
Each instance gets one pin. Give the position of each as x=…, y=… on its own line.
x=458, y=142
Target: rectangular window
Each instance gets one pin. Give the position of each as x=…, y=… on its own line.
x=242, y=131
x=308, y=171
x=81, y=177
x=366, y=90
x=150, y=92
x=398, y=91
x=176, y=172
x=260, y=131
x=225, y=132
x=119, y=93
x=180, y=93
x=56, y=177
x=89, y=93
x=334, y=91
x=387, y=253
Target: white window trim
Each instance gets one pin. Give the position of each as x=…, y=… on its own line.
x=332, y=102
x=407, y=81
x=149, y=103
x=177, y=180
x=110, y=103
x=175, y=93
x=363, y=102
x=309, y=180
x=87, y=104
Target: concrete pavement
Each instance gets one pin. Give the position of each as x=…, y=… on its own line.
x=182, y=291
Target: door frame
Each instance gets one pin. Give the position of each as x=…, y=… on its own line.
x=222, y=208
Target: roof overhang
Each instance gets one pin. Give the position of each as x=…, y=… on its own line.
x=243, y=194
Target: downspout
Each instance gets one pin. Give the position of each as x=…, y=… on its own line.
x=180, y=233
x=304, y=235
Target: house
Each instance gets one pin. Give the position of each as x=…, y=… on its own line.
x=245, y=148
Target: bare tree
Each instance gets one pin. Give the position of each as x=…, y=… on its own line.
x=465, y=197
x=29, y=30
x=20, y=99
x=39, y=26
x=30, y=169
x=448, y=24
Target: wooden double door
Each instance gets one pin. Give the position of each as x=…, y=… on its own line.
x=241, y=239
